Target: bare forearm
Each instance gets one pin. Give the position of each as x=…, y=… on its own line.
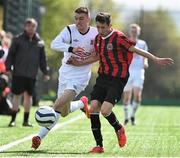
x=143, y=53
x=146, y=54
x=89, y=60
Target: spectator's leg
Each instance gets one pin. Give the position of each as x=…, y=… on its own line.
x=15, y=102
x=27, y=102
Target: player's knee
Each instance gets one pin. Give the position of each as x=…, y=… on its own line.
x=137, y=99
x=15, y=109
x=63, y=114
x=94, y=108
x=126, y=102
x=105, y=111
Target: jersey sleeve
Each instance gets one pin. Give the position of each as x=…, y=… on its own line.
x=61, y=42
x=145, y=46
x=96, y=44
x=125, y=42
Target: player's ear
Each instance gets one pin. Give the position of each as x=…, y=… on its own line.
x=138, y=32
x=89, y=19
x=110, y=25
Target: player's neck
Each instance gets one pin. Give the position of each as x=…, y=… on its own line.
x=84, y=31
x=134, y=38
x=108, y=32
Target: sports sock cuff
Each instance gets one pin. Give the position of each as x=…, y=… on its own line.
x=135, y=103
x=47, y=128
x=108, y=114
x=94, y=113
x=57, y=112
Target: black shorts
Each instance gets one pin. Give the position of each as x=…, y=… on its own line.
x=21, y=84
x=108, y=89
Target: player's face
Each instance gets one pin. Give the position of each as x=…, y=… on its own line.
x=134, y=32
x=103, y=29
x=30, y=28
x=81, y=21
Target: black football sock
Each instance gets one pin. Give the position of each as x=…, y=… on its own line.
x=13, y=116
x=26, y=116
x=113, y=121
x=96, y=128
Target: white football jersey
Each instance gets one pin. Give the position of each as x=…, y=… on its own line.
x=138, y=61
x=77, y=74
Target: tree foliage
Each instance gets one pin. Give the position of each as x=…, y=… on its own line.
x=106, y=6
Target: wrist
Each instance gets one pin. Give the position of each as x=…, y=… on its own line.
x=155, y=59
x=70, y=49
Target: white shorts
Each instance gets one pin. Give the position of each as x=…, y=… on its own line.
x=78, y=88
x=136, y=79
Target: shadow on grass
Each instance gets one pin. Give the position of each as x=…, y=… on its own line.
x=38, y=152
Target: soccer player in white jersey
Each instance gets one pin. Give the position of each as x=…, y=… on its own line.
x=134, y=86
x=75, y=41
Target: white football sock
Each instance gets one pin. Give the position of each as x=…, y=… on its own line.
x=126, y=112
x=134, y=108
x=74, y=105
x=44, y=131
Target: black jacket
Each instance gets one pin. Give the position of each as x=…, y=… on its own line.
x=26, y=56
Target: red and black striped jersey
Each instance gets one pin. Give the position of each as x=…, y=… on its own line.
x=114, y=55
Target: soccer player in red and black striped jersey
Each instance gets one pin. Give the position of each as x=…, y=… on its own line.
x=114, y=50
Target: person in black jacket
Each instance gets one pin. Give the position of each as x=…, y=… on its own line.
x=26, y=55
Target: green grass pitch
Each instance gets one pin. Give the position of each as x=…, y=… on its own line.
x=157, y=133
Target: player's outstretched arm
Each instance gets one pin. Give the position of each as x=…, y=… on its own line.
x=146, y=54
x=61, y=42
x=91, y=59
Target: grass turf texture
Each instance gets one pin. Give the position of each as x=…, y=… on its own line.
x=157, y=133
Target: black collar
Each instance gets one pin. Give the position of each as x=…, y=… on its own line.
x=35, y=37
x=85, y=32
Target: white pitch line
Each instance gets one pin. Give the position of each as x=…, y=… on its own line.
x=60, y=125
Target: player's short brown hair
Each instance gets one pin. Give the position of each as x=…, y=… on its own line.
x=31, y=21
x=103, y=17
x=82, y=10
